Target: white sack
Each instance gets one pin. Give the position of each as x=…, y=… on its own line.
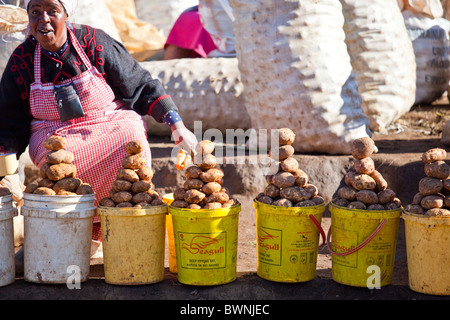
x=296, y=72
x=382, y=57
x=207, y=90
x=430, y=41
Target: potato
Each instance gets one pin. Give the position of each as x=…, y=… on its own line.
x=194, y=196
x=357, y=205
x=347, y=192
x=375, y=206
x=60, y=156
x=428, y=186
x=193, y=184
x=432, y=201
x=386, y=196
x=295, y=194
x=157, y=202
x=4, y=191
x=67, y=184
x=134, y=147
x=65, y=193
x=305, y=203
x=341, y=202
x=269, y=178
x=121, y=185
x=178, y=194
x=153, y=193
x=414, y=208
x=134, y=161
x=193, y=172
x=141, y=197
x=362, y=147
x=289, y=165
x=282, y=153
x=311, y=189
x=438, y=212
x=436, y=154
x=211, y=175
x=145, y=173
x=282, y=203
x=211, y=187
x=349, y=177
x=367, y=197
x=84, y=188
x=301, y=178
x=380, y=182
x=44, y=191
x=208, y=161
x=283, y=179
x=317, y=200
x=121, y=196
x=364, y=165
x=204, y=147
x=220, y=197
x=29, y=188
x=46, y=183
x=142, y=205
x=107, y=202
x=60, y=171
x=179, y=204
x=437, y=169
x=43, y=170
x=212, y=205
x=417, y=198
x=194, y=206
x=55, y=143
x=446, y=184
x=124, y=204
x=229, y=203
x=272, y=191
x=363, y=182
x=140, y=186
x=265, y=199
x=127, y=174
x=285, y=136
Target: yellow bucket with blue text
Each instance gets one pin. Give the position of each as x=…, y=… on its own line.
x=206, y=242
x=168, y=199
x=287, y=241
x=363, y=245
x=133, y=244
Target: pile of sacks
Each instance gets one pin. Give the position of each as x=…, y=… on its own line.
x=433, y=198
x=58, y=174
x=365, y=187
x=133, y=186
x=289, y=185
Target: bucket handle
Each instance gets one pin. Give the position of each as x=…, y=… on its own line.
x=314, y=220
x=361, y=245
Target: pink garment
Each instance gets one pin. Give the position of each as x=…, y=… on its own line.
x=188, y=33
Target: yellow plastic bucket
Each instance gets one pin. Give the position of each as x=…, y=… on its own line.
x=168, y=199
x=206, y=243
x=428, y=254
x=133, y=244
x=287, y=241
x=363, y=245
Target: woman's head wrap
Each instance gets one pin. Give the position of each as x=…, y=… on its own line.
x=69, y=5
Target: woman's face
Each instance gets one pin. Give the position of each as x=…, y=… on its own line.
x=47, y=20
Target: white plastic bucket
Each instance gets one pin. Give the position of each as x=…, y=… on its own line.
x=7, y=265
x=57, y=240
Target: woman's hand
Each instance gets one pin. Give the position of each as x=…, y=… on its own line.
x=183, y=137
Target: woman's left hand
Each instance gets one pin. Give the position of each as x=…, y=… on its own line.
x=183, y=137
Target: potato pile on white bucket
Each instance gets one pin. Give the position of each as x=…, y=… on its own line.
x=4, y=191
x=289, y=186
x=58, y=174
x=365, y=187
x=433, y=198
x=203, y=188
x=133, y=186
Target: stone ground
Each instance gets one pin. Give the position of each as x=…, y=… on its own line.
x=398, y=159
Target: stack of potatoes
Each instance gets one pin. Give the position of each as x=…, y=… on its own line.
x=4, y=191
x=365, y=187
x=203, y=187
x=58, y=174
x=133, y=185
x=289, y=185
x=433, y=198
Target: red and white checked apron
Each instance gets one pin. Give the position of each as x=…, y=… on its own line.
x=98, y=139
